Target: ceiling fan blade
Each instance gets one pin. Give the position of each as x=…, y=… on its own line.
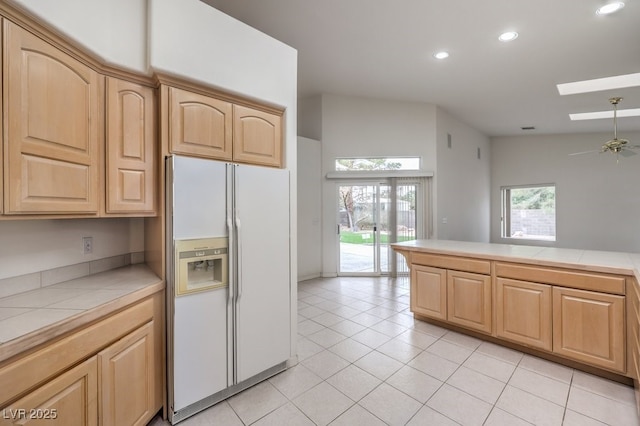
x=627, y=152
x=586, y=152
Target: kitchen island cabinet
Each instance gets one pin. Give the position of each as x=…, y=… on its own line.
x=589, y=327
x=523, y=312
x=571, y=304
x=455, y=289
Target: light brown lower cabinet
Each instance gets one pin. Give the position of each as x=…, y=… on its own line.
x=461, y=298
x=429, y=291
x=589, y=327
x=79, y=381
x=126, y=385
x=523, y=312
x=585, y=325
x=469, y=300
x=69, y=399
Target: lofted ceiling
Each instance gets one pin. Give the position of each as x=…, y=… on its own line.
x=383, y=49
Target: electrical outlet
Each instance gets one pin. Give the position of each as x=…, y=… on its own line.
x=87, y=245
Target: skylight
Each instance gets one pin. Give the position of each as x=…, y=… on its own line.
x=599, y=84
x=633, y=112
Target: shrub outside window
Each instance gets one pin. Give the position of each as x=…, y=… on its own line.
x=529, y=212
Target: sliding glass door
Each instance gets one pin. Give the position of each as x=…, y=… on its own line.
x=371, y=216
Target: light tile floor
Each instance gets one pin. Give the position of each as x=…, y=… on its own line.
x=364, y=360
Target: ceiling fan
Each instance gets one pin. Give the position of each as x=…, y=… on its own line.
x=615, y=145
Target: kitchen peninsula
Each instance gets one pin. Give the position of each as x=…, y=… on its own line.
x=574, y=306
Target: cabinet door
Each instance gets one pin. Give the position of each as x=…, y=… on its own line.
x=589, y=327
x=127, y=379
x=131, y=148
x=257, y=137
x=200, y=125
x=52, y=122
x=428, y=294
x=523, y=312
x=469, y=300
x=69, y=399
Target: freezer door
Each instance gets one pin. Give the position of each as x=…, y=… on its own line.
x=200, y=346
x=199, y=198
x=263, y=289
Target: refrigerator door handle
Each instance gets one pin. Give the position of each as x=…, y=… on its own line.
x=239, y=257
x=238, y=226
x=230, y=233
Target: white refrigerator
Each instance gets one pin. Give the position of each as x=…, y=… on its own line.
x=228, y=314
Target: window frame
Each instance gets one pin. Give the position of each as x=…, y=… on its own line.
x=505, y=213
x=386, y=158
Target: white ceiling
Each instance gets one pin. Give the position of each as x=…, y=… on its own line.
x=383, y=49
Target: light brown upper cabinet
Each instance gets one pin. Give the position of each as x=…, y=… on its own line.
x=53, y=128
x=130, y=148
x=257, y=137
x=199, y=125
x=208, y=127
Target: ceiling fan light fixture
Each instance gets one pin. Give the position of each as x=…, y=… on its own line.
x=508, y=36
x=610, y=8
x=441, y=55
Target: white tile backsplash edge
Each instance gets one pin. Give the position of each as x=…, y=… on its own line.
x=34, y=280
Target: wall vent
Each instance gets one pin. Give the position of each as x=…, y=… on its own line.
x=528, y=128
x=449, y=140
x=478, y=153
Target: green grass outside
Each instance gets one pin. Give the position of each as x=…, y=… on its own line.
x=366, y=237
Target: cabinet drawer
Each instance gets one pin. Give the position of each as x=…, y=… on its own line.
x=567, y=278
x=452, y=262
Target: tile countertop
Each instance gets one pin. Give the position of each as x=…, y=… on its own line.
x=587, y=260
x=33, y=317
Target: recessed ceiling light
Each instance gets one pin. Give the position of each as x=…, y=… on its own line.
x=598, y=84
x=610, y=8
x=633, y=112
x=508, y=36
x=441, y=55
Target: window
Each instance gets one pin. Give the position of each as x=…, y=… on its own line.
x=529, y=212
x=378, y=163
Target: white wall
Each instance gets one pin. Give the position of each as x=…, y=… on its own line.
x=310, y=117
x=597, y=200
x=114, y=30
x=192, y=40
x=462, y=181
x=360, y=127
x=309, y=209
